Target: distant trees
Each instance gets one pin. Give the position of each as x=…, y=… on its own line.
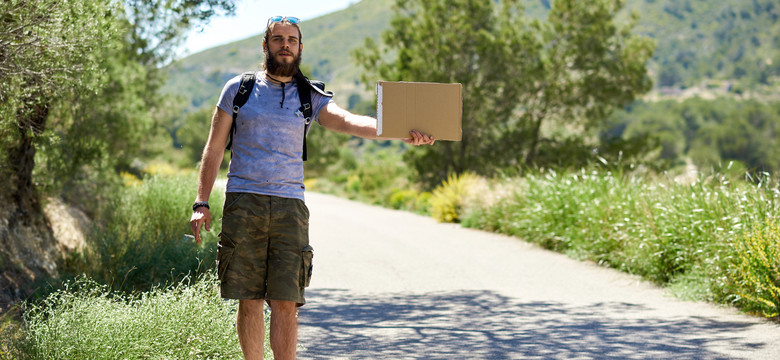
x=519, y=76
x=711, y=134
x=705, y=40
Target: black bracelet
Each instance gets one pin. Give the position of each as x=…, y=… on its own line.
x=198, y=204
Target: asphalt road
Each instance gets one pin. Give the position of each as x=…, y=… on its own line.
x=394, y=285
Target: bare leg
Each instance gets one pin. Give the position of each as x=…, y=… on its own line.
x=251, y=328
x=284, y=329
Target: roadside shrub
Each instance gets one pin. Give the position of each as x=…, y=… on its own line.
x=85, y=320
x=139, y=241
x=423, y=203
x=379, y=171
x=447, y=198
x=129, y=179
x=754, y=271
x=410, y=200
x=667, y=232
x=403, y=199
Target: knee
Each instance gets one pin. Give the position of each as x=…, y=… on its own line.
x=283, y=307
x=250, y=307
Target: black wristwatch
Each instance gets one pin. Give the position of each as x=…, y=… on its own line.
x=198, y=204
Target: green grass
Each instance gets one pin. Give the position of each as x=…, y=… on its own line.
x=85, y=320
x=139, y=241
x=139, y=289
x=753, y=276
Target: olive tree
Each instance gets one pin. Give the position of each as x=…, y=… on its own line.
x=78, y=90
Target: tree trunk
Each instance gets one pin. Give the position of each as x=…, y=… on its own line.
x=28, y=250
x=26, y=207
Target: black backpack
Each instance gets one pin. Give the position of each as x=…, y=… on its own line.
x=304, y=94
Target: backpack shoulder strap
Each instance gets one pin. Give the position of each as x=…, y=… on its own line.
x=319, y=87
x=304, y=93
x=244, y=90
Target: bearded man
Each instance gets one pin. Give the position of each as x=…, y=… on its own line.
x=264, y=253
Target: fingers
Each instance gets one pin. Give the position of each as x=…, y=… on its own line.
x=200, y=217
x=418, y=138
x=195, y=227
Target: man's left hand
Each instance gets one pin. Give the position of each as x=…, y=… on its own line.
x=418, y=138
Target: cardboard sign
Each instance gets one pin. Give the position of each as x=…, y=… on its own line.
x=431, y=108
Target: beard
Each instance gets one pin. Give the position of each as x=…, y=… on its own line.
x=274, y=67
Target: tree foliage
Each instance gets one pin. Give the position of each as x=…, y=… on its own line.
x=52, y=43
x=519, y=76
x=159, y=26
x=79, y=84
x=49, y=55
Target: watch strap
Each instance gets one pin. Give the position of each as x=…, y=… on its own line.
x=198, y=204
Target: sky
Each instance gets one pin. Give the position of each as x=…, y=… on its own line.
x=251, y=17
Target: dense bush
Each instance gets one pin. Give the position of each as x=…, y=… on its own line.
x=139, y=241
x=85, y=320
x=448, y=198
x=754, y=270
x=411, y=200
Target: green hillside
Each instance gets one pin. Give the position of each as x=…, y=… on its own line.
x=704, y=39
x=723, y=46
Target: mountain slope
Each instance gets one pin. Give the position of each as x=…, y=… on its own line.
x=703, y=39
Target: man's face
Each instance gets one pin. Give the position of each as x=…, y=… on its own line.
x=283, y=50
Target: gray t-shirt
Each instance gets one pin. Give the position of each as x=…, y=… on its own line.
x=268, y=142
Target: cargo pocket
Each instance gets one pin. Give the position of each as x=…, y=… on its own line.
x=231, y=199
x=307, y=254
x=225, y=249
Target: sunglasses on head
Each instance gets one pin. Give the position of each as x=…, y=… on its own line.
x=277, y=19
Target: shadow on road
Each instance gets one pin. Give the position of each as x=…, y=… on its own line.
x=486, y=325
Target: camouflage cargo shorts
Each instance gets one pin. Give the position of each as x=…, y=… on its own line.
x=264, y=251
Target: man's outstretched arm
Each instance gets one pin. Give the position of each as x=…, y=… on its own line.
x=333, y=117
